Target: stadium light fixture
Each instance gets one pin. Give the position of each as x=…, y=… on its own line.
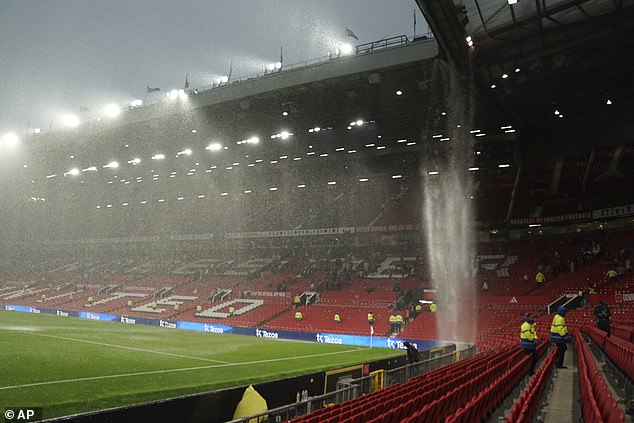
x=284, y=113
x=285, y=134
x=72, y=172
x=134, y=161
x=136, y=103
x=504, y=165
x=608, y=102
x=112, y=110
x=474, y=168
x=9, y=140
x=158, y=156
x=505, y=75
x=345, y=48
x=433, y=172
x=513, y=1
x=37, y=131
x=253, y=140
x=493, y=86
x=89, y=169
x=177, y=95
x=214, y=147
x=399, y=92
x=301, y=186
x=71, y=121
x=359, y=122
x=111, y=165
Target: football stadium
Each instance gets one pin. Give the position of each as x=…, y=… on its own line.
x=436, y=227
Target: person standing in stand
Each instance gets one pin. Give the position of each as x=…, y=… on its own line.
x=602, y=313
x=528, y=340
x=559, y=336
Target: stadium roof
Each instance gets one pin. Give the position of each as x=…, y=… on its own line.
x=570, y=54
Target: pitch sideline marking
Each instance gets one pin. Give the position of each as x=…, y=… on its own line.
x=184, y=369
x=129, y=348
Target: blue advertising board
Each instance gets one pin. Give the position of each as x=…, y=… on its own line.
x=319, y=337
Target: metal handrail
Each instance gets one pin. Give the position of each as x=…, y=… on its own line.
x=355, y=388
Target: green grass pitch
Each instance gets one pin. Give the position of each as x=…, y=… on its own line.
x=68, y=365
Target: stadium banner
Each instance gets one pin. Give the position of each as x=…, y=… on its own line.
x=195, y=237
x=290, y=232
x=61, y=313
x=204, y=327
x=97, y=316
x=168, y=324
x=22, y=309
x=572, y=217
x=627, y=210
x=133, y=320
x=387, y=228
x=319, y=337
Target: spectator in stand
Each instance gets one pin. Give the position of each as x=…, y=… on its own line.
x=412, y=352
x=528, y=340
x=370, y=318
x=485, y=285
x=602, y=313
x=337, y=318
x=417, y=309
x=540, y=278
x=297, y=301
x=398, y=322
x=611, y=274
x=298, y=315
x=559, y=336
x=392, y=323
x=231, y=311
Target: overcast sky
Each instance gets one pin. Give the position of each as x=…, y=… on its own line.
x=59, y=55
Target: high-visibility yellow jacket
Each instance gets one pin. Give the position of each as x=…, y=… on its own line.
x=433, y=308
x=298, y=315
x=539, y=277
x=558, y=330
x=528, y=336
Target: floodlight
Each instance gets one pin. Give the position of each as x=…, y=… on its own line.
x=136, y=103
x=158, y=156
x=112, y=110
x=278, y=65
x=214, y=147
x=71, y=121
x=345, y=48
x=270, y=67
x=111, y=165
x=10, y=140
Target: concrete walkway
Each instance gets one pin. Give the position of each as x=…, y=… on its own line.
x=563, y=405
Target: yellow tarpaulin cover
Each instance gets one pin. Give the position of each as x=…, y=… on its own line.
x=250, y=404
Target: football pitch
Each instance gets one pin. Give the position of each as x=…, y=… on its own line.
x=68, y=365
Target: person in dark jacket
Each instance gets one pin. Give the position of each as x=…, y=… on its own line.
x=412, y=353
x=602, y=313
